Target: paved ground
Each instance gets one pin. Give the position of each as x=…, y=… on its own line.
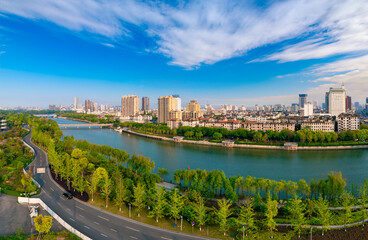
x=14, y=215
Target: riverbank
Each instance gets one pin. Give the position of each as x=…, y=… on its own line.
x=234, y=145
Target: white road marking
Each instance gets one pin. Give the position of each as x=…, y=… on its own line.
x=133, y=229
x=81, y=216
x=166, y=238
x=68, y=209
x=113, y=230
x=52, y=189
x=104, y=235
x=72, y=219
x=87, y=227
x=79, y=208
x=97, y=223
x=133, y=237
x=103, y=218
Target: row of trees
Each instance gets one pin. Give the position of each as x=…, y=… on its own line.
x=215, y=183
x=89, y=117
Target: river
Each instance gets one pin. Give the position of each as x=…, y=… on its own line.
x=272, y=164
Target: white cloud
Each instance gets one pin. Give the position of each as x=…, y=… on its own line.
x=205, y=32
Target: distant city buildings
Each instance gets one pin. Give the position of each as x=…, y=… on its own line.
x=348, y=104
x=165, y=104
x=76, y=103
x=145, y=104
x=303, y=98
x=336, y=101
x=129, y=105
x=308, y=109
x=90, y=106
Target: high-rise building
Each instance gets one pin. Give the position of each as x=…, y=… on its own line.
x=308, y=109
x=348, y=103
x=177, y=102
x=165, y=105
x=145, y=103
x=193, y=106
x=90, y=106
x=294, y=107
x=336, y=101
x=303, y=98
x=129, y=105
x=76, y=103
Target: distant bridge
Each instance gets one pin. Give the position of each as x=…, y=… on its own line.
x=45, y=115
x=84, y=125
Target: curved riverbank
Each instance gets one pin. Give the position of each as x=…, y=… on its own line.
x=226, y=144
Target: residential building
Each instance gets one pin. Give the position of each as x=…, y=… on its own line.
x=336, y=101
x=303, y=98
x=308, y=109
x=294, y=107
x=76, y=103
x=165, y=105
x=347, y=122
x=177, y=102
x=319, y=125
x=90, y=106
x=145, y=103
x=193, y=110
x=175, y=114
x=129, y=105
x=3, y=124
x=348, y=103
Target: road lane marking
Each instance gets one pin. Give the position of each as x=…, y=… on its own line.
x=79, y=208
x=68, y=209
x=72, y=219
x=86, y=227
x=97, y=223
x=166, y=238
x=133, y=229
x=81, y=215
x=52, y=189
x=104, y=235
x=103, y=218
x=113, y=230
x=133, y=237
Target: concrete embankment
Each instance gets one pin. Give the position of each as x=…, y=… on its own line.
x=242, y=145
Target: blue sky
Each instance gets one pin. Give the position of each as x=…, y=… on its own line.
x=213, y=51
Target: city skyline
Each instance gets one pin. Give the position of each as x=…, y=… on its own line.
x=210, y=53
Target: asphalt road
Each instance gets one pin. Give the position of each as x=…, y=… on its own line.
x=89, y=220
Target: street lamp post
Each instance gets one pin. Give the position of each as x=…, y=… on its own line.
x=130, y=210
x=181, y=223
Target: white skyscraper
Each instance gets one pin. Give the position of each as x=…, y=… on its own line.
x=308, y=109
x=336, y=101
x=177, y=102
x=76, y=103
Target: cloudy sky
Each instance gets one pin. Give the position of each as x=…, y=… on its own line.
x=239, y=52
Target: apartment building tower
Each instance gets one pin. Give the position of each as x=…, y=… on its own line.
x=303, y=98
x=336, y=101
x=145, y=103
x=129, y=105
x=165, y=104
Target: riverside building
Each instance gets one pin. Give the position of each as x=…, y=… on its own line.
x=165, y=105
x=129, y=105
x=348, y=122
x=336, y=101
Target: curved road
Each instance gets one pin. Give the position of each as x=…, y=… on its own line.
x=89, y=220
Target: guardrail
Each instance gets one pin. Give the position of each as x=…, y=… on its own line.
x=24, y=200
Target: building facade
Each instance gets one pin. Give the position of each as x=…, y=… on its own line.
x=348, y=122
x=145, y=103
x=177, y=102
x=348, y=103
x=336, y=101
x=3, y=124
x=129, y=105
x=308, y=109
x=165, y=105
x=303, y=98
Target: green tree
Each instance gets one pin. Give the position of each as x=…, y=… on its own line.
x=246, y=218
x=106, y=186
x=364, y=201
x=95, y=180
x=223, y=213
x=139, y=194
x=200, y=210
x=159, y=206
x=176, y=204
x=121, y=193
x=217, y=135
x=347, y=204
x=323, y=213
x=163, y=172
x=271, y=213
x=199, y=135
x=296, y=209
x=258, y=136
x=43, y=225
